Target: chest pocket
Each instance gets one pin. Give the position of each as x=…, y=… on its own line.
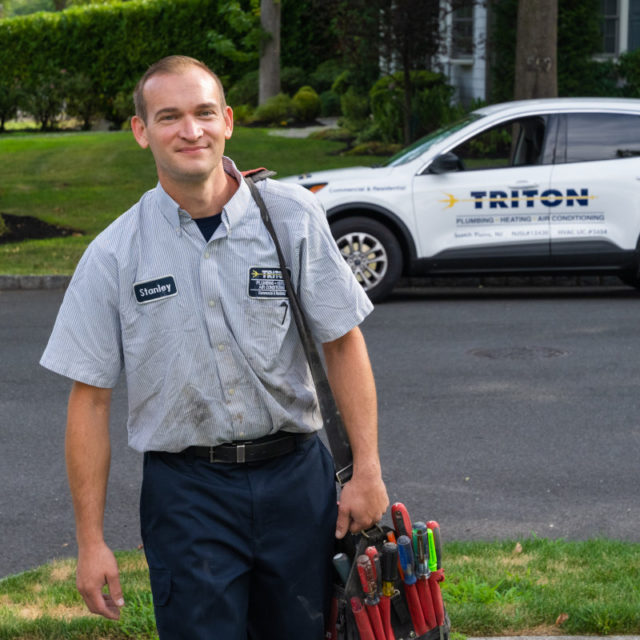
x=265, y=327
x=153, y=333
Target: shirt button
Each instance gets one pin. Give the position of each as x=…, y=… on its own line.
x=212, y=303
x=207, y=255
x=231, y=391
x=221, y=347
x=241, y=434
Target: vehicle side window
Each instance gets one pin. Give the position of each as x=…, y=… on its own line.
x=602, y=136
x=515, y=143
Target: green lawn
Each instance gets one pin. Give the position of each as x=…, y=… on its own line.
x=85, y=180
x=534, y=587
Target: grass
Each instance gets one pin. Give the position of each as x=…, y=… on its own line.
x=535, y=587
x=85, y=180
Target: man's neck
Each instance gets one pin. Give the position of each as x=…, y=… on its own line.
x=203, y=199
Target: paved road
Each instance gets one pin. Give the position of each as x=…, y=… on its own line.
x=504, y=412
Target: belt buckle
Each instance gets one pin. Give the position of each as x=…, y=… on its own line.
x=240, y=453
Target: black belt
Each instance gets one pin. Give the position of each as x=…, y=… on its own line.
x=257, y=450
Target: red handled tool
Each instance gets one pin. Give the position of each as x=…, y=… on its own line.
x=401, y=520
x=437, y=572
x=389, y=568
x=402, y=525
x=371, y=600
x=421, y=548
x=362, y=620
x=415, y=609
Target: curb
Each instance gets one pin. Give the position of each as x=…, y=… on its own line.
x=51, y=282
x=12, y=283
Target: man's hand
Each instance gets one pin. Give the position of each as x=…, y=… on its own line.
x=97, y=567
x=363, y=502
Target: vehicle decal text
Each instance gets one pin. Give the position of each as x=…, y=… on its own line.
x=524, y=198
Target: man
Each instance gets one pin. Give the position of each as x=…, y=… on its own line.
x=238, y=504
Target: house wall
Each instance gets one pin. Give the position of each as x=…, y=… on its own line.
x=468, y=75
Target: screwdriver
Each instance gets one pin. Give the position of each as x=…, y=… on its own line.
x=371, y=600
x=415, y=609
x=437, y=572
x=362, y=620
x=389, y=567
x=421, y=543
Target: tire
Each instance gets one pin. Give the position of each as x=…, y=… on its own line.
x=372, y=252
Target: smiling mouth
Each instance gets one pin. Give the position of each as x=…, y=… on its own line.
x=191, y=149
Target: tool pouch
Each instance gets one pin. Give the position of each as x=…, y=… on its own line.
x=342, y=623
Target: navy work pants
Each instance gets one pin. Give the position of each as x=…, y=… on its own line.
x=240, y=551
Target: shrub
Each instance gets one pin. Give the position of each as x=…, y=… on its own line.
x=3, y=226
x=245, y=91
x=355, y=109
x=243, y=114
x=306, y=104
x=292, y=78
x=329, y=103
x=83, y=100
x=629, y=67
x=275, y=111
x=9, y=100
x=430, y=104
x=112, y=44
x=43, y=97
x=324, y=76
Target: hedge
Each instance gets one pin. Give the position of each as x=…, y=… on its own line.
x=111, y=44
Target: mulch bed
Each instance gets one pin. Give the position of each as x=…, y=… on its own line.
x=28, y=228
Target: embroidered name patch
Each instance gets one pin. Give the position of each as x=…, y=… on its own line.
x=152, y=290
x=266, y=282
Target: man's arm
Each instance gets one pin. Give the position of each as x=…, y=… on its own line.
x=88, y=454
x=363, y=500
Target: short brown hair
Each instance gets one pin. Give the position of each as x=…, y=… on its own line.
x=168, y=65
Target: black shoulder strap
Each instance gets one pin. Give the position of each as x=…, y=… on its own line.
x=334, y=427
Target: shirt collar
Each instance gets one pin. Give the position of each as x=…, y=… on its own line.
x=232, y=211
x=236, y=208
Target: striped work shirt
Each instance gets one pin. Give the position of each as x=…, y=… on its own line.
x=203, y=329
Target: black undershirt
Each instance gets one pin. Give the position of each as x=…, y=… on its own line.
x=208, y=225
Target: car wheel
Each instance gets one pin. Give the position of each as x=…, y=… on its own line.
x=372, y=252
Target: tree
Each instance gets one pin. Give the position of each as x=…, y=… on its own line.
x=412, y=36
x=269, y=50
x=536, y=50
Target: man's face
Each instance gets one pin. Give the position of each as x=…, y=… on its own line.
x=186, y=127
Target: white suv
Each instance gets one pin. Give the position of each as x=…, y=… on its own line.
x=537, y=186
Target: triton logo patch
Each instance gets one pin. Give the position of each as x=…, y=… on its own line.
x=155, y=289
x=528, y=198
x=266, y=282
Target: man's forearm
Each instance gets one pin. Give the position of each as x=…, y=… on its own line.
x=352, y=383
x=88, y=455
x=363, y=500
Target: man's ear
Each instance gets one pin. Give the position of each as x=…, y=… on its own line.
x=228, y=118
x=139, y=130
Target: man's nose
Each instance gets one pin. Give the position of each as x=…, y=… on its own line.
x=191, y=130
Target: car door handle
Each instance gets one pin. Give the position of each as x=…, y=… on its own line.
x=523, y=185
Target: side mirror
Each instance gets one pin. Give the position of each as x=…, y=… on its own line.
x=446, y=163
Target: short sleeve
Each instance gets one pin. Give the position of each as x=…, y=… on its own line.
x=333, y=300
x=86, y=344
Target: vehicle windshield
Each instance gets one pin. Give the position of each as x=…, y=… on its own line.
x=420, y=146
